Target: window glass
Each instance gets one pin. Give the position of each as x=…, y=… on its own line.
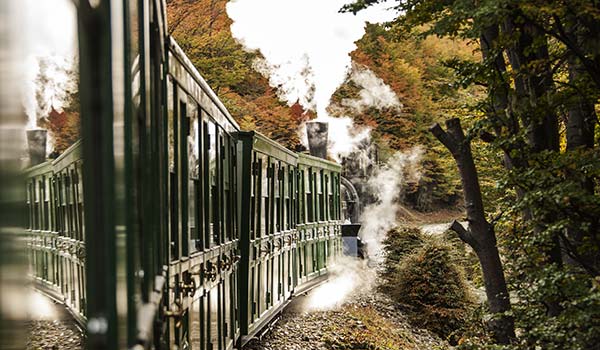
x=220, y=177
x=277, y=196
x=193, y=153
x=227, y=188
x=170, y=125
x=253, y=191
x=211, y=182
x=265, y=195
x=309, y=195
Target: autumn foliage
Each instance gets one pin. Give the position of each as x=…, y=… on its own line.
x=412, y=67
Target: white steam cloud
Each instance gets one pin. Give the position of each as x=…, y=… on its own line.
x=306, y=46
x=387, y=186
x=374, y=92
x=50, y=46
x=350, y=275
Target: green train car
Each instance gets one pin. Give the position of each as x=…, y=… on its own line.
x=55, y=229
x=166, y=226
x=290, y=226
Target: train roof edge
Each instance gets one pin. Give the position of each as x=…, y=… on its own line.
x=178, y=51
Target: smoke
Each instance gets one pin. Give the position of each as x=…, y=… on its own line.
x=387, y=185
x=350, y=276
x=347, y=276
x=374, y=92
x=306, y=46
x=50, y=47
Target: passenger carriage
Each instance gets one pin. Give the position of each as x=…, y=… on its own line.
x=167, y=226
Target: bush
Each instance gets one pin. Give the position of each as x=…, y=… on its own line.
x=427, y=280
x=401, y=241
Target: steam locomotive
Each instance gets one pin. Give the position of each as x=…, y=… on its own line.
x=166, y=226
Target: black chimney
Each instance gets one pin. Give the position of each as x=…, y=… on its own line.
x=317, y=138
x=36, y=139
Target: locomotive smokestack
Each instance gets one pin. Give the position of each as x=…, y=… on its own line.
x=317, y=138
x=36, y=140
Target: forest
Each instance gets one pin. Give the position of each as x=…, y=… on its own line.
x=504, y=97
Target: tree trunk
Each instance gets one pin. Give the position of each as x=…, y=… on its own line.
x=480, y=233
x=581, y=122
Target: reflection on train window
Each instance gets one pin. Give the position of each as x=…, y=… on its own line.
x=173, y=126
x=210, y=174
x=170, y=126
x=193, y=153
x=226, y=172
x=276, y=197
x=320, y=185
x=264, y=210
x=220, y=181
x=287, y=182
x=309, y=195
x=300, y=195
x=253, y=190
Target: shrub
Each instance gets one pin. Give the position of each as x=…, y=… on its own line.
x=400, y=242
x=429, y=283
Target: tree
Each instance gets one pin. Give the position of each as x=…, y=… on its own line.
x=480, y=233
x=539, y=67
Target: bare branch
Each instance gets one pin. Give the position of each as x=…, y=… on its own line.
x=444, y=138
x=462, y=233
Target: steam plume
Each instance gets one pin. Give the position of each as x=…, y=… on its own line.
x=349, y=275
x=374, y=92
x=50, y=50
x=387, y=186
x=306, y=46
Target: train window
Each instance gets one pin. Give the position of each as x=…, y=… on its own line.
x=309, y=195
x=289, y=197
x=193, y=153
x=172, y=127
x=210, y=181
x=276, y=197
x=326, y=205
x=336, y=196
x=46, y=199
x=74, y=200
x=183, y=168
x=57, y=217
x=294, y=196
x=70, y=211
x=286, y=181
x=36, y=206
x=300, y=190
x=321, y=190
x=330, y=197
x=228, y=200
x=253, y=197
x=29, y=207
x=221, y=214
x=80, y=202
x=265, y=188
x=233, y=189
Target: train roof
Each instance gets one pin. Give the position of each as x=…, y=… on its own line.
x=307, y=159
x=264, y=144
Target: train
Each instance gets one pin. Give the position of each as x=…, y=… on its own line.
x=167, y=226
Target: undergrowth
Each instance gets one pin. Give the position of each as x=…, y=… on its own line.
x=424, y=274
